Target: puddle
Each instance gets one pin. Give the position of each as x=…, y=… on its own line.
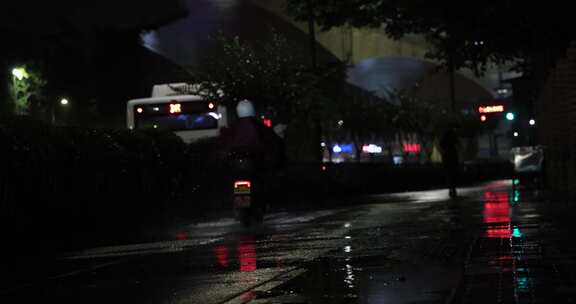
x=367, y=279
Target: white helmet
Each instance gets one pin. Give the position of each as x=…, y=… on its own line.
x=245, y=109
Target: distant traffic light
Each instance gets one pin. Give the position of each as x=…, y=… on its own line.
x=483, y=118
x=510, y=116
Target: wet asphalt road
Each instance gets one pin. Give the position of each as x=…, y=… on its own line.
x=493, y=245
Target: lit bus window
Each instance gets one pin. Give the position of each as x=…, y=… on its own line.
x=202, y=121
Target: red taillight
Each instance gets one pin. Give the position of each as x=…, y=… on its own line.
x=242, y=187
x=242, y=184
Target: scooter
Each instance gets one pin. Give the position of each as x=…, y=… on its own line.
x=248, y=209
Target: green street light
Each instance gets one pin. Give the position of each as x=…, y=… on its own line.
x=510, y=116
x=19, y=73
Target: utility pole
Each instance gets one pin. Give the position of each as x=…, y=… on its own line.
x=451, y=74
x=314, y=61
x=312, y=36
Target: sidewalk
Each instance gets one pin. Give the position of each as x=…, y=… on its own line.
x=521, y=249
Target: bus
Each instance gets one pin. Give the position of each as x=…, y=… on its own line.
x=188, y=116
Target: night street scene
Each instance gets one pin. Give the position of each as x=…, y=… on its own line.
x=287, y=151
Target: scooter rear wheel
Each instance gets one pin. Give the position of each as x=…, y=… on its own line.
x=245, y=217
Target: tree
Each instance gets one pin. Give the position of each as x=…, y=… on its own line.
x=422, y=119
x=27, y=86
x=274, y=75
x=365, y=117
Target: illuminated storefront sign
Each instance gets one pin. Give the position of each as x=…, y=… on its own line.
x=491, y=109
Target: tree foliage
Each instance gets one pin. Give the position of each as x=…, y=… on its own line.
x=26, y=91
x=274, y=75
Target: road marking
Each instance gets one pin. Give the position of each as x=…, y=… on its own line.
x=140, y=249
x=76, y=272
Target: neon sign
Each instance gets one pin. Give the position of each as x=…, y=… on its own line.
x=412, y=148
x=372, y=149
x=491, y=109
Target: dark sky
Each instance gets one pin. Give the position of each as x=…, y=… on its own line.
x=42, y=16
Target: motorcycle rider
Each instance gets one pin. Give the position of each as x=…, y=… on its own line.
x=249, y=136
x=254, y=152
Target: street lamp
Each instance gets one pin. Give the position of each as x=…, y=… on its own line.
x=64, y=102
x=510, y=116
x=532, y=122
x=19, y=73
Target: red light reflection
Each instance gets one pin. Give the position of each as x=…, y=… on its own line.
x=247, y=251
x=497, y=214
x=182, y=236
x=248, y=296
x=222, y=255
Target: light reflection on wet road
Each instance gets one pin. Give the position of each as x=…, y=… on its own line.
x=401, y=248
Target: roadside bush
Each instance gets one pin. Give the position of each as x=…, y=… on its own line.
x=86, y=184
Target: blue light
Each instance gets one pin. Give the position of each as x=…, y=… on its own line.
x=349, y=148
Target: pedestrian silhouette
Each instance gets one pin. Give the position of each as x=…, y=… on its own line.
x=449, y=147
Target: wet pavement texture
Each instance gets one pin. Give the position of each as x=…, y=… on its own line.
x=496, y=243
